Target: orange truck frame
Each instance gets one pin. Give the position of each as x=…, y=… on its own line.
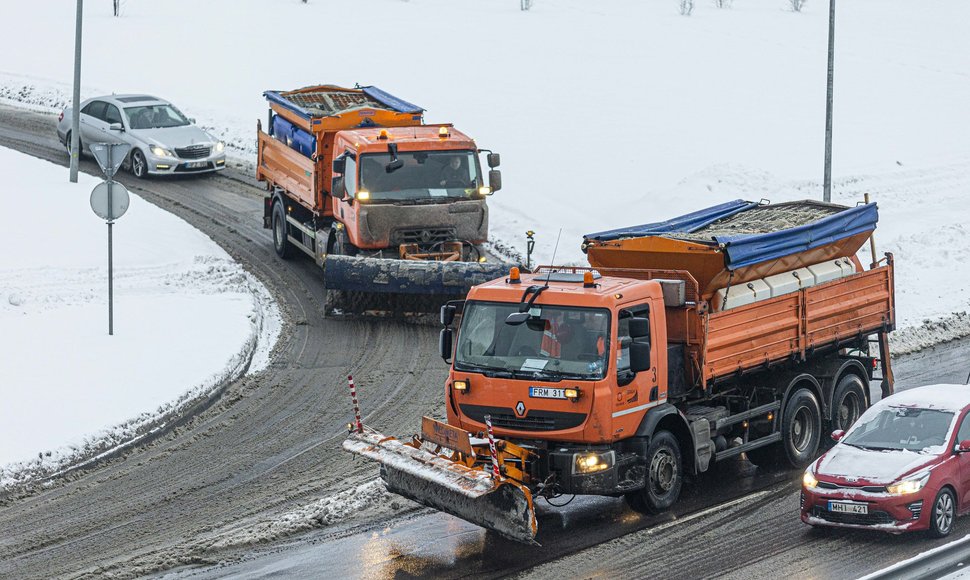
x=353, y=181
x=675, y=388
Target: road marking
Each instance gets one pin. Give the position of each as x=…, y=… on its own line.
x=635, y=409
x=710, y=510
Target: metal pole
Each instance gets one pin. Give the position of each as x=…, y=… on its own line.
x=76, y=113
x=111, y=216
x=827, y=183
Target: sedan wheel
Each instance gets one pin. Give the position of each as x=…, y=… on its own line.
x=139, y=167
x=944, y=512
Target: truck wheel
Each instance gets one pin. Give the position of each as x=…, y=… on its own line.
x=849, y=402
x=282, y=245
x=943, y=515
x=801, y=433
x=341, y=244
x=664, y=476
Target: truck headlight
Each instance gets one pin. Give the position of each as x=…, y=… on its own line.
x=909, y=485
x=592, y=461
x=161, y=152
x=808, y=480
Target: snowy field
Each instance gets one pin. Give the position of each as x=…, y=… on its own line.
x=607, y=114
x=186, y=317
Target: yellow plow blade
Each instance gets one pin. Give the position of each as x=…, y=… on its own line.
x=498, y=504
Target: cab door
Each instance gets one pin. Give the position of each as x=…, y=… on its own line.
x=635, y=392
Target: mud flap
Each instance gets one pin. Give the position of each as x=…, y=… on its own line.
x=503, y=506
x=386, y=275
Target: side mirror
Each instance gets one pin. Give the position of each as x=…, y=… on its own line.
x=448, y=314
x=639, y=356
x=495, y=179
x=837, y=435
x=394, y=165
x=444, y=343
x=494, y=160
x=116, y=127
x=517, y=318
x=639, y=327
x=963, y=447
x=337, y=188
x=192, y=120
x=340, y=165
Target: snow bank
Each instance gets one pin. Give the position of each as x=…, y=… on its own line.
x=187, y=319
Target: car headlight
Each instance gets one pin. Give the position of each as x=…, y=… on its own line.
x=161, y=152
x=809, y=480
x=220, y=147
x=909, y=485
x=592, y=461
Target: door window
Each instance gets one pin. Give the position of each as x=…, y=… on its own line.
x=112, y=114
x=623, y=335
x=350, y=176
x=964, y=433
x=95, y=109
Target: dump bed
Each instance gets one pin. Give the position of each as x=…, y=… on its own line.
x=737, y=242
x=793, y=325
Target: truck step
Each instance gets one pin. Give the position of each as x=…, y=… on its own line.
x=745, y=415
x=760, y=442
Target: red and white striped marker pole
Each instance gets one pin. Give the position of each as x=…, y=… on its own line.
x=491, y=447
x=353, y=396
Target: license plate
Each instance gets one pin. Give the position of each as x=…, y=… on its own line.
x=544, y=393
x=196, y=164
x=848, y=508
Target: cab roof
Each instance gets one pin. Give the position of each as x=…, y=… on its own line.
x=606, y=291
x=420, y=137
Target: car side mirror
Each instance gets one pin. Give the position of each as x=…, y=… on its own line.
x=337, y=188
x=495, y=180
x=837, y=435
x=116, y=127
x=192, y=120
x=963, y=447
x=639, y=356
x=494, y=160
x=445, y=339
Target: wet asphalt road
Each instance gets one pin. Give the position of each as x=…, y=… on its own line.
x=272, y=443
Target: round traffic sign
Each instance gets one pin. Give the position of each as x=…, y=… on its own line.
x=119, y=200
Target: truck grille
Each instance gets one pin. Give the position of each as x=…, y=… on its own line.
x=193, y=152
x=533, y=421
x=871, y=519
x=424, y=235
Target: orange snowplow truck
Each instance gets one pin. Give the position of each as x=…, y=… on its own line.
x=383, y=202
x=621, y=381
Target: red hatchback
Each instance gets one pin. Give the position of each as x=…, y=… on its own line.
x=903, y=466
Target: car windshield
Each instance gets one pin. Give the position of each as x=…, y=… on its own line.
x=554, y=343
x=155, y=117
x=423, y=175
x=909, y=428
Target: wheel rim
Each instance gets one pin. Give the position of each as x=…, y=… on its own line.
x=663, y=469
x=944, y=513
x=138, y=164
x=278, y=232
x=802, y=429
x=848, y=410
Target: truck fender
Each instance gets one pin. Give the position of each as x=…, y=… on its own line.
x=668, y=417
x=798, y=381
x=827, y=373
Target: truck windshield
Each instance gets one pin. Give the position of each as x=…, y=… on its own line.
x=909, y=428
x=427, y=175
x=555, y=343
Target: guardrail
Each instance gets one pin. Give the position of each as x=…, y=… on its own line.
x=934, y=563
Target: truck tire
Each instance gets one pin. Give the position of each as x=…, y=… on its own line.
x=283, y=247
x=801, y=432
x=664, y=476
x=848, y=402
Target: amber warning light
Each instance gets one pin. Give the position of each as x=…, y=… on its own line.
x=514, y=276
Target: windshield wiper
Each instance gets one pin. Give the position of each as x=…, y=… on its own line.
x=486, y=370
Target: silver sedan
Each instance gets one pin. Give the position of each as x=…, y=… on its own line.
x=162, y=139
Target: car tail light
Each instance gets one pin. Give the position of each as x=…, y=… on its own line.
x=60, y=117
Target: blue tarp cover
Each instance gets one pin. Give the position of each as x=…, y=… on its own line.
x=746, y=249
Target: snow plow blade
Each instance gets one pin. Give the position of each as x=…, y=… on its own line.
x=385, y=275
x=470, y=493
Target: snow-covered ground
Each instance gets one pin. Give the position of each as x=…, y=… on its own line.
x=606, y=113
x=186, y=318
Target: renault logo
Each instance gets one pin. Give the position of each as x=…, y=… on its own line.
x=520, y=408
